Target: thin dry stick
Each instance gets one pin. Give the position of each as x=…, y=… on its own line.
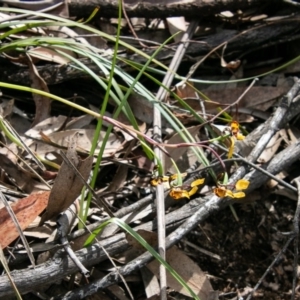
x=296, y=241
x=20, y=231
x=63, y=224
x=157, y=125
x=93, y=254
x=235, y=102
x=276, y=122
x=240, y=158
x=119, y=214
x=131, y=27
x=197, y=64
x=270, y=267
x=110, y=259
x=215, y=203
x=6, y=268
x=27, y=165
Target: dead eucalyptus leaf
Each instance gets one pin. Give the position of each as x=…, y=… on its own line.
x=151, y=284
x=42, y=103
x=129, y=137
x=67, y=185
x=26, y=210
x=40, y=232
x=47, y=54
x=180, y=262
x=176, y=24
x=188, y=270
x=259, y=97
x=271, y=148
x=19, y=177
x=47, y=126
x=84, y=143
x=177, y=153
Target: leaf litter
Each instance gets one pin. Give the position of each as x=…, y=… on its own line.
x=245, y=247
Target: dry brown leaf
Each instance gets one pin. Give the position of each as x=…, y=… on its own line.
x=258, y=97
x=141, y=108
x=39, y=232
x=185, y=90
x=47, y=126
x=19, y=177
x=42, y=103
x=151, y=284
x=123, y=119
x=177, y=153
x=176, y=24
x=47, y=54
x=180, y=262
x=293, y=134
x=26, y=210
x=116, y=290
x=271, y=148
x=67, y=185
x=11, y=152
x=188, y=270
x=271, y=184
x=84, y=143
x=79, y=122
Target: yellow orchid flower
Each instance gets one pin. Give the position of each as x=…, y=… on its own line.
x=155, y=181
x=159, y=180
x=231, y=148
x=235, y=130
x=235, y=127
x=197, y=182
x=241, y=184
x=240, y=137
x=236, y=135
x=220, y=191
x=177, y=192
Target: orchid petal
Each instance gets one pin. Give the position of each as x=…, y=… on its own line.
x=231, y=148
x=242, y=184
